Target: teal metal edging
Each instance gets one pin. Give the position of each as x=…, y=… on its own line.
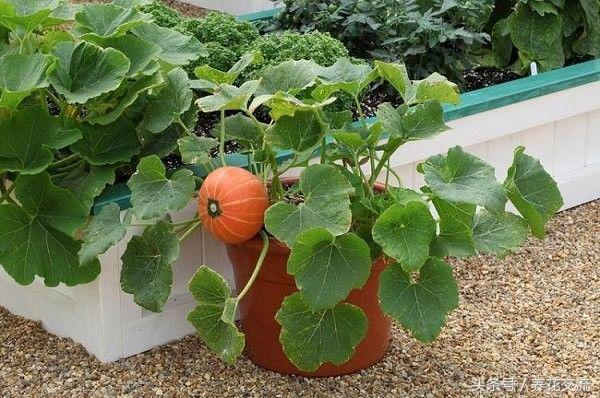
x=470, y=103
x=260, y=15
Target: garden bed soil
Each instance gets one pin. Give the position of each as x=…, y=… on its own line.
x=531, y=316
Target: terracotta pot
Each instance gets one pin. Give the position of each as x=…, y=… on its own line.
x=273, y=284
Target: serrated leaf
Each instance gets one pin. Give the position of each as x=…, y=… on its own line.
x=589, y=41
x=140, y=53
x=417, y=123
x=405, y=233
x=436, y=87
x=459, y=177
x=344, y=76
x=153, y=195
x=288, y=77
x=326, y=205
x=422, y=306
x=146, y=271
x=213, y=317
x=327, y=268
x=174, y=99
x=456, y=234
x=227, y=97
x=86, y=183
x=499, y=234
x=35, y=237
x=310, y=339
x=97, y=22
x=243, y=130
x=533, y=191
x=196, y=150
x=300, y=132
x=84, y=71
x=177, y=48
x=397, y=76
x=134, y=90
x=30, y=151
x=20, y=75
x=104, y=230
x=108, y=144
x=31, y=248
x=216, y=77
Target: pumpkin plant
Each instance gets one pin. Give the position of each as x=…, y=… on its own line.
x=85, y=91
x=346, y=209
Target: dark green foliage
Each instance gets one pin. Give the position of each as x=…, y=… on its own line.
x=163, y=15
x=226, y=38
x=547, y=32
x=427, y=35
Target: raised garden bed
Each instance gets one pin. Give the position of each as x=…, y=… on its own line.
x=545, y=113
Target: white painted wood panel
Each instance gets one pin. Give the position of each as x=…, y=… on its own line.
x=235, y=7
x=561, y=131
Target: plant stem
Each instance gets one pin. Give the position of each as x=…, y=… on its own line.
x=188, y=232
x=64, y=162
x=259, y=263
x=359, y=108
x=222, y=140
x=185, y=222
x=323, y=148
x=71, y=166
x=6, y=195
x=387, y=154
x=183, y=126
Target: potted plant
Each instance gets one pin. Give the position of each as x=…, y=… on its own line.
x=343, y=246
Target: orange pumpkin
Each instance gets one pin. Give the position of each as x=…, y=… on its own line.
x=232, y=204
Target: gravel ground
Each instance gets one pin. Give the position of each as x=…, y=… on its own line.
x=186, y=9
x=532, y=316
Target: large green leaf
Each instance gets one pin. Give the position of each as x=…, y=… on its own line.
x=499, y=234
x=422, y=306
x=288, y=77
x=227, y=97
x=133, y=91
x=456, y=234
x=436, y=87
x=538, y=38
x=344, y=76
x=589, y=41
x=243, y=130
x=108, y=144
x=397, y=76
x=177, y=48
x=104, y=230
x=146, y=271
x=27, y=138
x=140, y=53
x=460, y=177
x=87, y=182
x=417, y=123
x=174, y=99
x=213, y=77
x=300, y=132
x=327, y=268
x=96, y=22
x=153, y=194
x=215, y=327
x=310, y=338
x=326, y=205
x=533, y=191
x=34, y=238
x=405, y=233
x=84, y=71
x=196, y=150
x=26, y=14
x=20, y=75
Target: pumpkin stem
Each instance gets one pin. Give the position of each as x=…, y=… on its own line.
x=213, y=208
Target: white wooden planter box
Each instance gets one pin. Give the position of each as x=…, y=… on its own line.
x=235, y=7
x=562, y=129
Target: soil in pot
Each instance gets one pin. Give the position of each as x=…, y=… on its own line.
x=259, y=306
